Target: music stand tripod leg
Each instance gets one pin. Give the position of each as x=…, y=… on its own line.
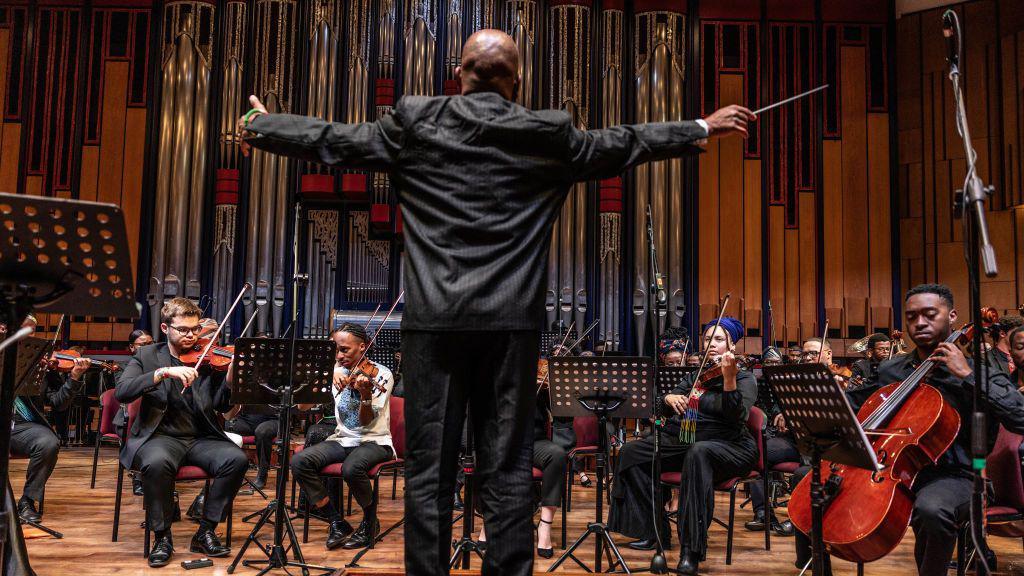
x=373, y=543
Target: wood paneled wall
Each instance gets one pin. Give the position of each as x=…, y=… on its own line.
x=798, y=215
x=931, y=157
x=74, y=80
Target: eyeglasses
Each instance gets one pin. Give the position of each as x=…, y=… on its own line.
x=183, y=330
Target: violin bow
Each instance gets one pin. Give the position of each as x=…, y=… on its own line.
x=707, y=350
x=372, y=316
x=374, y=338
x=561, y=345
x=248, y=323
x=584, y=335
x=824, y=336
x=216, y=334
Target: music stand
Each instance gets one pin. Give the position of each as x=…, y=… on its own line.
x=281, y=372
x=824, y=426
x=606, y=387
x=56, y=256
x=671, y=376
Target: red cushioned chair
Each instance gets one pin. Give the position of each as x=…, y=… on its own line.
x=185, y=474
x=755, y=425
x=1005, y=512
x=109, y=406
x=397, y=426
x=585, y=428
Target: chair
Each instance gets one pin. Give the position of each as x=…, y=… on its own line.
x=1005, y=512
x=109, y=406
x=185, y=474
x=397, y=426
x=755, y=425
x=586, y=431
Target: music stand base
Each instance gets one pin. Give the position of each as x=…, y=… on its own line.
x=41, y=527
x=600, y=532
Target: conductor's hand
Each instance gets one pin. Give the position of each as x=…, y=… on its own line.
x=186, y=374
x=728, y=120
x=780, y=422
x=677, y=402
x=240, y=128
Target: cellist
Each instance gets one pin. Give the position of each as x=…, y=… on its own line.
x=943, y=491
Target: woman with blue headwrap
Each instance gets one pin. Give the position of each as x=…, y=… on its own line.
x=706, y=438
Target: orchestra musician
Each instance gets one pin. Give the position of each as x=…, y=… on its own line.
x=719, y=447
x=943, y=491
x=177, y=425
x=864, y=373
x=362, y=439
x=32, y=435
x=481, y=181
x=999, y=354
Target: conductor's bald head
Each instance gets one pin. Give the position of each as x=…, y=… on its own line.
x=490, y=63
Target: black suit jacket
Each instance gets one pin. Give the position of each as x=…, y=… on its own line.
x=481, y=181
x=210, y=393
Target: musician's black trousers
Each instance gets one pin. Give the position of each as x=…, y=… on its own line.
x=778, y=450
x=941, y=506
x=704, y=464
x=41, y=445
x=358, y=461
x=158, y=461
x=550, y=459
x=263, y=427
x=494, y=375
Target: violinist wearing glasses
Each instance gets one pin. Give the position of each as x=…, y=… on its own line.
x=706, y=438
x=177, y=425
x=362, y=439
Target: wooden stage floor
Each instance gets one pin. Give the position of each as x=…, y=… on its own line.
x=85, y=517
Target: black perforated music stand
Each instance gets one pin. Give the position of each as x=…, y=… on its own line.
x=549, y=338
x=824, y=426
x=281, y=372
x=671, y=376
x=607, y=387
x=57, y=256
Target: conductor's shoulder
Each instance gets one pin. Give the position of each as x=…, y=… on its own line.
x=412, y=107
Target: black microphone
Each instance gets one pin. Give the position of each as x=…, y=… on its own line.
x=659, y=280
x=951, y=32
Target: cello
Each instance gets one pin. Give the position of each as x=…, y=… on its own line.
x=910, y=426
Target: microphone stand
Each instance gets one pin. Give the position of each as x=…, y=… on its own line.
x=656, y=299
x=969, y=206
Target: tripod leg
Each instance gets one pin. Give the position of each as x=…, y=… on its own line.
x=568, y=553
x=250, y=538
x=619, y=560
x=39, y=526
x=296, y=549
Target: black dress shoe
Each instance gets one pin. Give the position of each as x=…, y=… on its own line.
x=161, y=553
x=757, y=524
x=545, y=552
x=205, y=542
x=648, y=544
x=458, y=505
x=688, y=563
x=136, y=487
x=339, y=531
x=367, y=531
x=27, y=511
x=782, y=528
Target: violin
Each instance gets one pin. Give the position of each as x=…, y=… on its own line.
x=542, y=373
x=910, y=426
x=219, y=357
x=369, y=369
x=842, y=374
x=715, y=371
x=64, y=361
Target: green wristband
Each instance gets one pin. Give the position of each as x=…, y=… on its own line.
x=248, y=115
